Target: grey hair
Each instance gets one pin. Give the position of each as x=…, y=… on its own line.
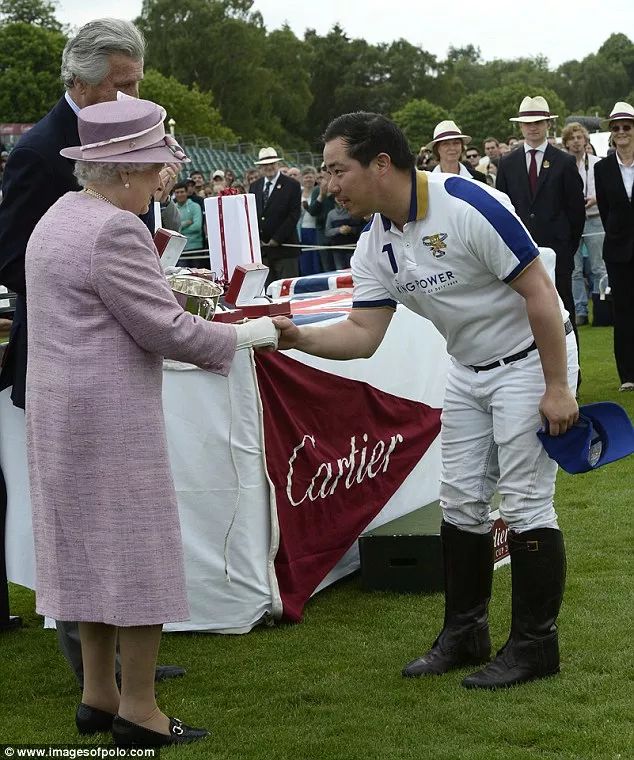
x=86, y=55
x=107, y=173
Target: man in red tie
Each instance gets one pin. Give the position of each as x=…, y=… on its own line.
x=545, y=187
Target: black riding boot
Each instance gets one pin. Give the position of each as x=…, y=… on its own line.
x=464, y=639
x=538, y=565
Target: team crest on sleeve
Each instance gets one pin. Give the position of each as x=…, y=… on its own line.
x=436, y=243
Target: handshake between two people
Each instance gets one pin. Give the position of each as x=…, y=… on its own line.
x=267, y=334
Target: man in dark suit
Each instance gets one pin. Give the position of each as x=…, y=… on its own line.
x=104, y=57
x=278, y=199
x=614, y=184
x=546, y=189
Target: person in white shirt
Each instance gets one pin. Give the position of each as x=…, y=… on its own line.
x=574, y=138
x=454, y=251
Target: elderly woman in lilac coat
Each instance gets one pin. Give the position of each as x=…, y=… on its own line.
x=101, y=318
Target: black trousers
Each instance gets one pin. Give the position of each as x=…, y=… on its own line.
x=621, y=277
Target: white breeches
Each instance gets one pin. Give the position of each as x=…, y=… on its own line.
x=489, y=442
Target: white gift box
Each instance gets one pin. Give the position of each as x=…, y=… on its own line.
x=232, y=230
x=157, y=216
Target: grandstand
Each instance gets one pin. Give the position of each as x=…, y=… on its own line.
x=207, y=155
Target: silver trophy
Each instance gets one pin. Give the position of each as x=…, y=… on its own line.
x=197, y=295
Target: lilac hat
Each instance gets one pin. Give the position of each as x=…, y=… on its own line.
x=127, y=130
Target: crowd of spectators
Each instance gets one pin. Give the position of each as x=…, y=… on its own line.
x=487, y=159
x=326, y=232
x=584, y=277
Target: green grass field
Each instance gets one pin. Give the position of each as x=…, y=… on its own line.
x=330, y=688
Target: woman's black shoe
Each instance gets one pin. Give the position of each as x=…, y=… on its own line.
x=126, y=734
x=90, y=720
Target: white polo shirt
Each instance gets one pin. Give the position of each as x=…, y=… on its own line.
x=452, y=263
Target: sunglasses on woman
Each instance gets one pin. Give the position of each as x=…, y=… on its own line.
x=621, y=128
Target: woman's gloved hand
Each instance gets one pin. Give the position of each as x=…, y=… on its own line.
x=257, y=333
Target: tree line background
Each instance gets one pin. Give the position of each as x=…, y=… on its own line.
x=219, y=73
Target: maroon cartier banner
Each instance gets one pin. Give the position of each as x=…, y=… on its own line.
x=336, y=451
x=500, y=540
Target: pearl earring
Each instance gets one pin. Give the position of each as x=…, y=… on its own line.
x=126, y=185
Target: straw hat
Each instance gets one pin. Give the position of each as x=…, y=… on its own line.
x=483, y=164
x=268, y=156
x=127, y=130
x=447, y=130
x=621, y=110
x=533, y=109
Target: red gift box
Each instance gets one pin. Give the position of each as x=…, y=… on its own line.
x=246, y=283
x=229, y=316
x=245, y=291
x=170, y=245
x=266, y=308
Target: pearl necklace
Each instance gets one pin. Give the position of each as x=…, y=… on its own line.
x=95, y=194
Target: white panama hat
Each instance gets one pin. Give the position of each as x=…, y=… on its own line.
x=447, y=130
x=533, y=109
x=621, y=110
x=268, y=156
